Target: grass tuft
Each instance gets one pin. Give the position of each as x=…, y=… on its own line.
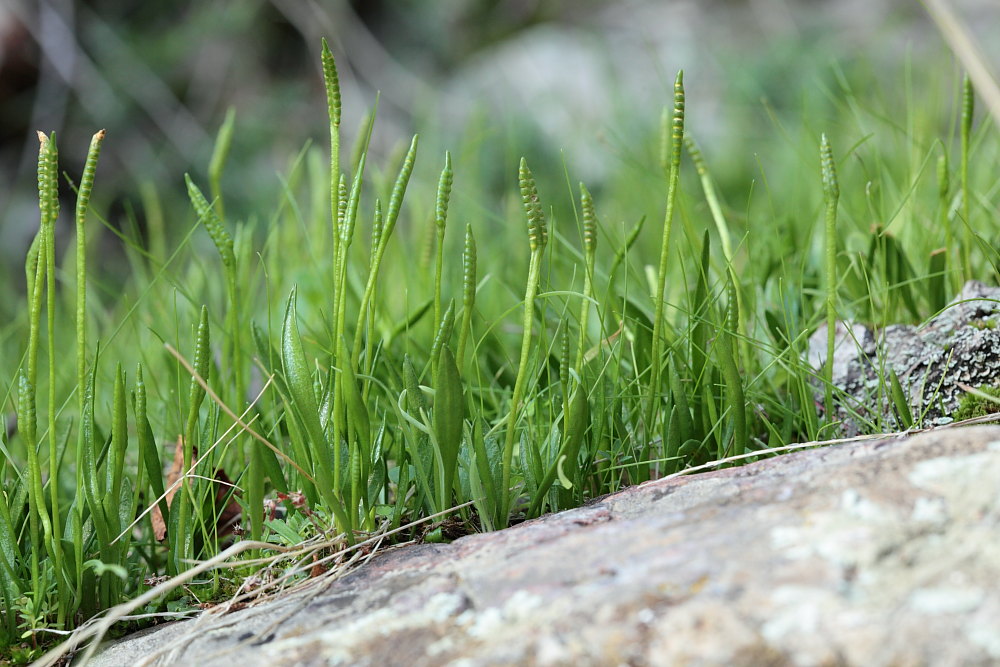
x=492, y=385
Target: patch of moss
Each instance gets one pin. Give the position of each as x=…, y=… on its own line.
x=976, y=406
x=986, y=323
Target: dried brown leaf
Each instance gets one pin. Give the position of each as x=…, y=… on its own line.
x=228, y=518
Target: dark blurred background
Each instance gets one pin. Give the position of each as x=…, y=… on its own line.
x=569, y=80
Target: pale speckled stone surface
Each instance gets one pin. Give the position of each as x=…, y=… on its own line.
x=876, y=553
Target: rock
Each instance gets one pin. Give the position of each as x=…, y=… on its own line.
x=567, y=76
x=960, y=345
x=872, y=553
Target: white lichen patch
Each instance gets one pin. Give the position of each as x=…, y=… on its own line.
x=481, y=624
x=790, y=542
x=443, y=606
x=948, y=471
x=645, y=616
x=521, y=604
x=856, y=505
x=850, y=534
x=969, y=485
x=929, y=510
x=984, y=631
x=552, y=651
x=946, y=600
x=485, y=623
x=797, y=609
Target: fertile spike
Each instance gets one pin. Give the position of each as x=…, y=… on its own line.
x=332, y=84
x=444, y=192
x=831, y=189
x=469, y=269
x=589, y=220
x=537, y=231
x=677, y=129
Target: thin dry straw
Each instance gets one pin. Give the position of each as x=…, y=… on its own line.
x=237, y=421
x=95, y=629
x=101, y=626
x=965, y=47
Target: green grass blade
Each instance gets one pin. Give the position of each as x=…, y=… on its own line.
x=537, y=237
x=398, y=191
x=357, y=413
x=10, y=554
x=677, y=136
x=147, y=443
x=590, y=225
x=729, y=362
x=119, y=442
x=965, y=137
x=831, y=193
x=208, y=216
x=566, y=462
x=469, y=260
x=899, y=401
x=223, y=142
x=449, y=415
x=82, y=205
x=440, y=219
x=486, y=494
x=224, y=244
x=92, y=482
x=937, y=280
x=333, y=105
x=699, y=340
x=300, y=388
x=26, y=423
x=186, y=498
x=708, y=187
x=417, y=443
x=445, y=326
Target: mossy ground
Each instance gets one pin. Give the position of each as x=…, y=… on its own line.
x=972, y=406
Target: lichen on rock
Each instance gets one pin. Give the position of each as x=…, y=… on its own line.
x=960, y=345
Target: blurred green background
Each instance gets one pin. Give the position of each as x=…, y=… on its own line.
x=576, y=85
